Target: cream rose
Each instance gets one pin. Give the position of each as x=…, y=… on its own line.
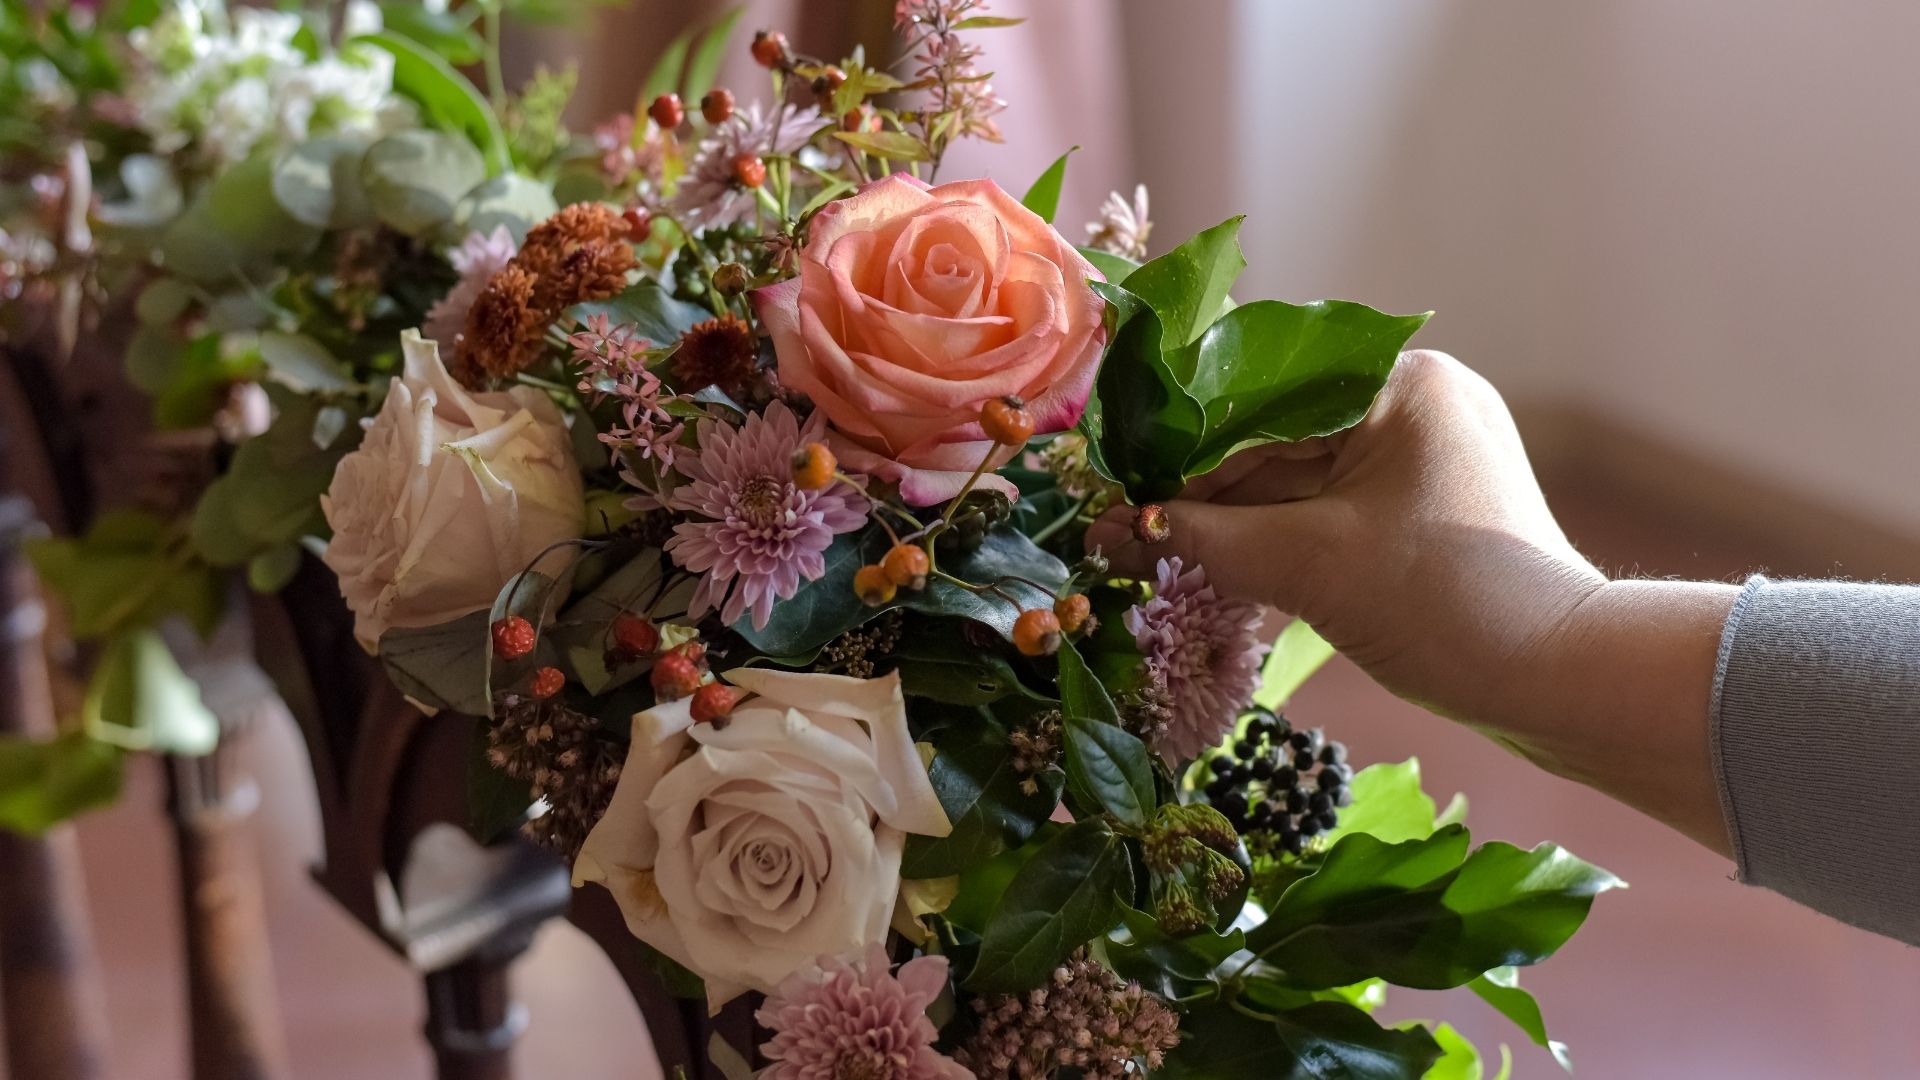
x=746, y=851
x=450, y=495
x=914, y=307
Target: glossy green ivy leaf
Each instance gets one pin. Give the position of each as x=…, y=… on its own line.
x=447, y=100
x=1066, y=895
x=1297, y=653
x=1114, y=268
x=821, y=609
x=1388, y=805
x=1187, y=287
x=1416, y=914
x=43, y=782
x=1276, y=372
x=983, y=796
x=1176, y=968
x=941, y=667
x=1106, y=764
x=1326, y=1040
x=1004, y=555
x=1500, y=988
x=1043, y=197
x=1140, y=423
x=1459, y=1058
x=648, y=310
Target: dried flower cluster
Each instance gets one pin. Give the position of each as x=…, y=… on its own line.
x=581, y=253
x=563, y=756
x=856, y=652
x=1087, y=1018
x=1037, y=746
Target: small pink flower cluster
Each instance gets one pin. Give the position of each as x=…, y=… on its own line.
x=959, y=87
x=613, y=364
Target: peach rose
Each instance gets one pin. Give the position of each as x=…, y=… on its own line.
x=914, y=306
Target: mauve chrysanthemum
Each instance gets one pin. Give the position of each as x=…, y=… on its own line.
x=857, y=1021
x=1203, y=649
x=476, y=260
x=709, y=195
x=763, y=536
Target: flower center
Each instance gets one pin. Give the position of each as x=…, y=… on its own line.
x=862, y=1066
x=762, y=501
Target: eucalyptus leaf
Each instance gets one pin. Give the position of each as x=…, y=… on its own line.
x=444, y=666
x=317, y=182
x=446, y=98
x=1068, y=893
x=415, y=179
x=1043, y=197
x=302, y=362
x=511, y=200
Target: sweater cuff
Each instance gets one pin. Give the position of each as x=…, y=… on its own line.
x=1815, y=735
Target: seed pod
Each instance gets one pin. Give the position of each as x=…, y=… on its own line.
x=667, y=111
x=717, y=106
x=873, y=586
x=1037, y=632
x=749, y=170
x=770, y=49
x=907, y=566
x=1151, y=524
x=813, y=466
x=1006, y=422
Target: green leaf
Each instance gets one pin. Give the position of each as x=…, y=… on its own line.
x=1067, y=894
x=270, y=493
x=302, y=362
x=1114, y=268
x=648, y=310
x=704, y=63
x=139, y=698
x=986, y=22
x=128, y=570
x=496, y=802
x=1500, y=988
x=1388, y=805
x=1326, y=1040
x=1270, y=371
x=46, y=781
x=1172, y=967
x=980, y=789
x=1297, y=653
x=891, y=145
x=1143, y=422
x=664, y=78
x=510, y=199
x=318, y=183
x=1004, y=554
x=1415, y=915
x=1187, y=287
x=447, y=100
x=444, y=666
x=449, y=32
x=982, y=884
x=821, y=609
x=1043, y=197
x=941, y=667
x=269, y=571
x=415, y=179
x=1459, y=1059
x=1106, y=764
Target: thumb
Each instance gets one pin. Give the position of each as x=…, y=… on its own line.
x=1256, y=553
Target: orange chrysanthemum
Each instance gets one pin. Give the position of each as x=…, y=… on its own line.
x=581, y=253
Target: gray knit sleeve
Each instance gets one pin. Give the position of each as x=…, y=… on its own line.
x=1815, y=730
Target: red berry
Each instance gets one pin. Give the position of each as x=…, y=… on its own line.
x=667, y=111
x=717, y=106
x=639, y=223
x=513, y=638
x=692, y=650
x=712, y=703
x=749, y=170
x=547, y=682
x=907, y=566
x=634, y=637
x=826, y=83
x=1006, y=422
x=1073, y=612
x=1037, y=632
x=770, y=48
x=674, y=677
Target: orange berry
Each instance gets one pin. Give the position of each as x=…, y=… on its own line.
x=860, y=118
x=667, y=111
x=547, y=682
x=907, y=566
x=513, y=638
x=1151, y=524
x=873, y=585
x=813, y=466
x=712, y=703
x=634, y=637
x=675, y=676
x=749, y=170
x=825, y=83
x=1037, y=632
x=1006, y=422
x=1073, y=611
x=717, y=106
x=770, y=48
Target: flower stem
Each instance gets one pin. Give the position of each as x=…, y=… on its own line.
x=1060, y=522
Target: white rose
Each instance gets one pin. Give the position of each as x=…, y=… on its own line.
x=746, y=852
x=449, y=496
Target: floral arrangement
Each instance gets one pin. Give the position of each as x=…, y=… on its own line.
x=731, y=467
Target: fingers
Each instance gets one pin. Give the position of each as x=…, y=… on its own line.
x=1253, y=552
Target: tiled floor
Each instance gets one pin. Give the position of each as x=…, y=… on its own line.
x=1685, y=975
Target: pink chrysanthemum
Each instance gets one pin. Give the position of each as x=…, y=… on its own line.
x=764, y=536
x=709, y=195
x=844, y=1020
x=477, y=259
x=1201, y=649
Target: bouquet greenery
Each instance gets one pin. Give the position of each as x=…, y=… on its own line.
x=733, y=473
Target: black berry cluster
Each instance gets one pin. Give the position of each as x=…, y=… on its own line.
x=1279, y=787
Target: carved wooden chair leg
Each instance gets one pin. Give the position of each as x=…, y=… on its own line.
x=236, y=1025
x=472, y=1019
x=52, y=1009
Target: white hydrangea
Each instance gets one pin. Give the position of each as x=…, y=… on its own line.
x=217, y=83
